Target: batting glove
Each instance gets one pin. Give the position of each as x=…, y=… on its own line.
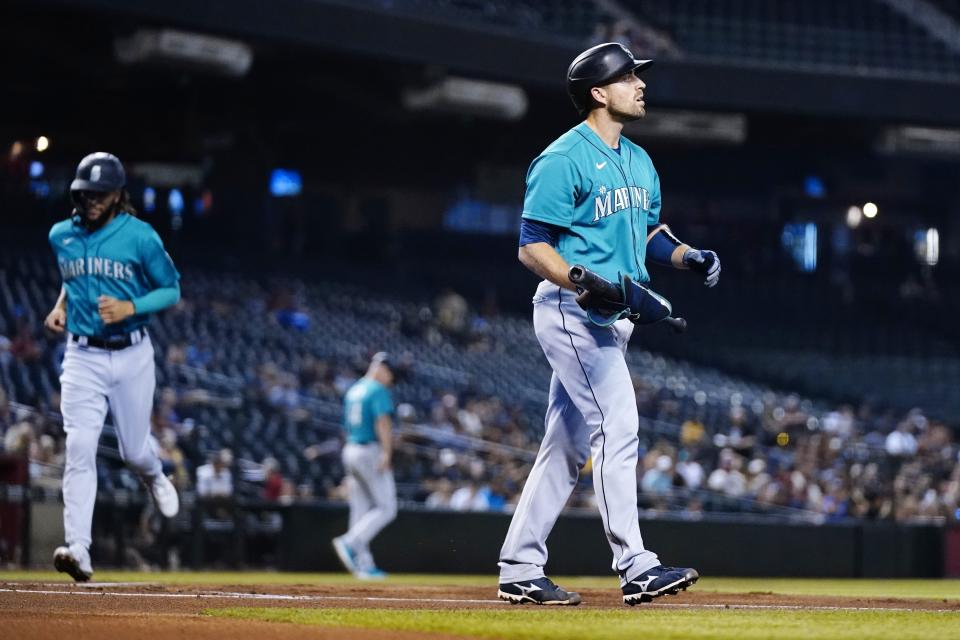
x=640, y=304
x=644, y=304
x=706, y=263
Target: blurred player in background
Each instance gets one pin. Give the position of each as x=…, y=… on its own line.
x=368, y=421
x=115, y=274
x=593, y=198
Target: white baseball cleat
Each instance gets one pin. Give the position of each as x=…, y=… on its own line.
x=73, y=560
x=348, y=556
x=164, y=495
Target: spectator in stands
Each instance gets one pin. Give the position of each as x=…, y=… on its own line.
x=273, y=480
x=452, y=313
x=740, y=434
x=901, y=442
x=757, y=477
x=171, y=456
x=840, y=422
x=690, y=471
x=659, y=478
x=727, y=478
x=215, y=479
x=19, y=438
x=439, y=497
x=176, y=354
x=200, y=354
x=24, y=346
x=46, y=462
x=693, y=432
x=469, y=497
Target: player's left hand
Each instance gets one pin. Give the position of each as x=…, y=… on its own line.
x=113, y=310
x=706, y=263
x=384, y=463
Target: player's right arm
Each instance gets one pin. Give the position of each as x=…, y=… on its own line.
x=553, y=182
x=57, y=318
x=543, y=260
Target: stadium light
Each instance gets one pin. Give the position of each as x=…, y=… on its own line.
x=854, y=217
x=932, y=253
x=870, y=210
x=185, y=49
x=43, y=143
x=467, y=96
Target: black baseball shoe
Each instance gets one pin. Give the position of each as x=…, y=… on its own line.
x=657, y=582
x=539, y=591
x=75, y=561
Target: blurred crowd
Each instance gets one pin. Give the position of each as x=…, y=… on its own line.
x=841, y=463
x=469, y=451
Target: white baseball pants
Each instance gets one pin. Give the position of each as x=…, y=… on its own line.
x=592, y=411
x=91, y=380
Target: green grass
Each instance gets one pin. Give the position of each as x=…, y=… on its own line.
x=577, y=624
x=850, y=587
x=932, y=589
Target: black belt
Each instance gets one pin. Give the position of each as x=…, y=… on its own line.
x=114, y=343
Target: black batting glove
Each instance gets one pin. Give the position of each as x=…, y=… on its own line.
x=706, y=263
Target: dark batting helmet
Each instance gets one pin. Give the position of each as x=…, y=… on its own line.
x=596, y=67
x=99, y=172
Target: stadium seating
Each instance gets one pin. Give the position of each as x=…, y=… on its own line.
x=859, y=36
x=565, y=19
x=229, y=337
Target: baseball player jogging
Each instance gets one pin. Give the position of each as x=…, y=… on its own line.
x=593, y=202
x=115, y=274
x=368, y=421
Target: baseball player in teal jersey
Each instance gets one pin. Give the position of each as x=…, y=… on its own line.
x=593, y=198
x=367, y=455
x=115, y=274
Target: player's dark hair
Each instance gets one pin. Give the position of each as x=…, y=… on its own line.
x=124, y=204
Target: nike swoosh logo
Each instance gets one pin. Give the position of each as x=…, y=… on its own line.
x=67, y=241
x=601, y=165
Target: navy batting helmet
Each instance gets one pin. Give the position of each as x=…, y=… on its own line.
x=596, y=67
x=99, y=172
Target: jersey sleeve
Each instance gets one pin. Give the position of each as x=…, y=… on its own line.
x=552, y=186
x=381, y=403
x=157, y=263
x=653, y=215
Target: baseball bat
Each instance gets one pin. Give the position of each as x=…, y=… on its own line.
x=583, y=277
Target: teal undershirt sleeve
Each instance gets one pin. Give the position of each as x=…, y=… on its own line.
x=157, y=300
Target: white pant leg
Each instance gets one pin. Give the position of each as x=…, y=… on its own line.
x=361, y=463
x=360, y=502
x=589, y=361
x=131, y=402
x=83, y=403
x=563, y=451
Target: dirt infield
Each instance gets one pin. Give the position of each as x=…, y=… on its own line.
x=159, y=611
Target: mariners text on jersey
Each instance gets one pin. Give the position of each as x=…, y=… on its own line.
x=95, y=266
x=622, y=198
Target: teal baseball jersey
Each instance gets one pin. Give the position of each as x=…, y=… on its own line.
x=604, y=200
x=365, y=402
x=124, y=259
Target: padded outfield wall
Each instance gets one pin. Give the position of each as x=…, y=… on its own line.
x=454, y=542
